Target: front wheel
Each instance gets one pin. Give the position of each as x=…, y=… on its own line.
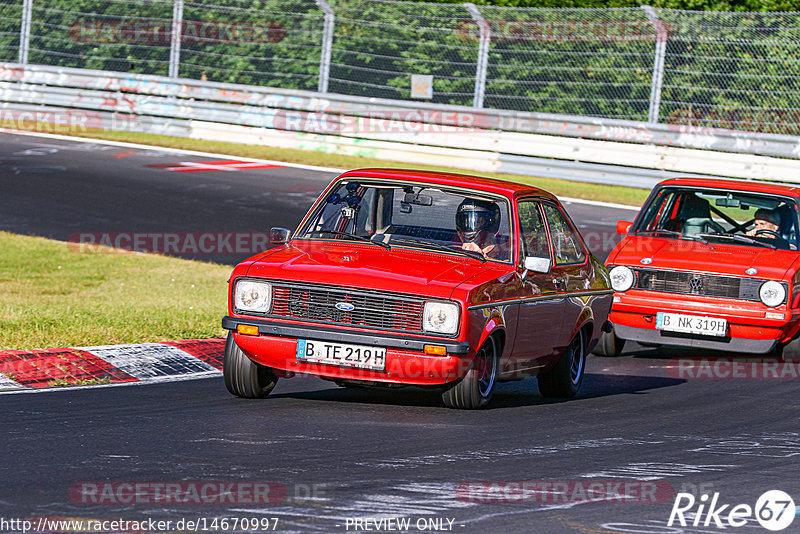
x=609, y=345
x=244, y=377
x=564, y=380
x=475, y=390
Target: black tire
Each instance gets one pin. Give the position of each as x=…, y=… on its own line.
x=564, y=380
x=790, y=350
x=475, y=389
x=609, y=345
x=243, y=377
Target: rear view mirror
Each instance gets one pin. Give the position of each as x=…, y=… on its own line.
x=419, y=200
x=537, y=265
x=623, y=227
x=279, y=236
x=729, y=202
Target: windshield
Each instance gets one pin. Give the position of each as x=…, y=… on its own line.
x=415, y=216
x=750, y=219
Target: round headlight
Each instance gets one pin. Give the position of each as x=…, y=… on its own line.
x=621, y=278
x=253, y=296
x=772, y=293
x=440, y=317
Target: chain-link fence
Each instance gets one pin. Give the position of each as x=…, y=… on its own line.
x=729, y=70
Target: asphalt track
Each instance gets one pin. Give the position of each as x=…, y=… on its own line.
x=345, y=454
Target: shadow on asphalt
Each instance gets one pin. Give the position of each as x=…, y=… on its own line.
x=507, y=394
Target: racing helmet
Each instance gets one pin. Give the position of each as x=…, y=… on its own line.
x=476, y=216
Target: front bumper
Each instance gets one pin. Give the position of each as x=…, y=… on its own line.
x=406, y=363
x=644, y=335
x=749, y=331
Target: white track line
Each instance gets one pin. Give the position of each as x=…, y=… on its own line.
x=256, y=160
x=214, y=155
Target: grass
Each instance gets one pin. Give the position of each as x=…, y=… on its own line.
x=601, y=192
x=54, y=296
x=62, y=382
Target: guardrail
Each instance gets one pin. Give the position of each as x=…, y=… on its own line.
x=562, y=146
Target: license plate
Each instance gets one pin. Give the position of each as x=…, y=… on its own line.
x=341, y=354
x=691, y=324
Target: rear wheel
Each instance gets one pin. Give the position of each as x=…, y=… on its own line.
x=243, y=377
x=564, y=380
x=475, y=390
x=609, y=345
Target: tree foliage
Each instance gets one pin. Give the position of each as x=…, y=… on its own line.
x=737, y=67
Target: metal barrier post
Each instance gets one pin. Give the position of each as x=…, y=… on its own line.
x=483, y=54
x=25, y=31
x=175, y=41
x=327, y=43
x=662, y=35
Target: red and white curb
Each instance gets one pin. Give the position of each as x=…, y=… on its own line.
x=110, y=364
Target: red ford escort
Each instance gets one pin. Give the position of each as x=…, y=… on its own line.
x=711, y=264
x=418, y=278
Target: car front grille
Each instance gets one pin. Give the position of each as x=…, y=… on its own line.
x=687, y=283
x=370, y=309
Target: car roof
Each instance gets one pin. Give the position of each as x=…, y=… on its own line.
x=741, y=185
x=491, y=185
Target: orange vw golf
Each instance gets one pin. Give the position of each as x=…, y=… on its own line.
x=711, y=264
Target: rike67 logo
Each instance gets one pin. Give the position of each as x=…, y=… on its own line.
x=774, y=510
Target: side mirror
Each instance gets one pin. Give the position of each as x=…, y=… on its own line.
x=623, y=227
x=279, y=236
x=537, y=265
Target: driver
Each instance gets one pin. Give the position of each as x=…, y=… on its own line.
x=766, y=224
x=477, y=222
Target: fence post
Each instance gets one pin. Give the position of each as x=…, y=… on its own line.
x=327, y=43
x=25, y=31
x=177, y=37
x=662, y=35
x=483, y=54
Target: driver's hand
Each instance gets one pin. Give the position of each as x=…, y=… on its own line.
x=471, y=246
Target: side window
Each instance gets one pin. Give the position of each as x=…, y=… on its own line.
x=534, y=235
x=566, y=244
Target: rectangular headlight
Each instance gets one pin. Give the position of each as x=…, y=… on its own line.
x=440, y=317
x=252, y=296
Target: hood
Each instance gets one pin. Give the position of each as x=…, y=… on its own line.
x=367, y=266
x=715, y=258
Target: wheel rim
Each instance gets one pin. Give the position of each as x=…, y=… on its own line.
x=486, y=367
x=578, y=359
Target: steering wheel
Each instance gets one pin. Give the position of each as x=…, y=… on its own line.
x=770, y=233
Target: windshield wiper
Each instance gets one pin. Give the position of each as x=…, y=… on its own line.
x=695, y=237
x=470, y=253
x=742, y=239
x=352, y=236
